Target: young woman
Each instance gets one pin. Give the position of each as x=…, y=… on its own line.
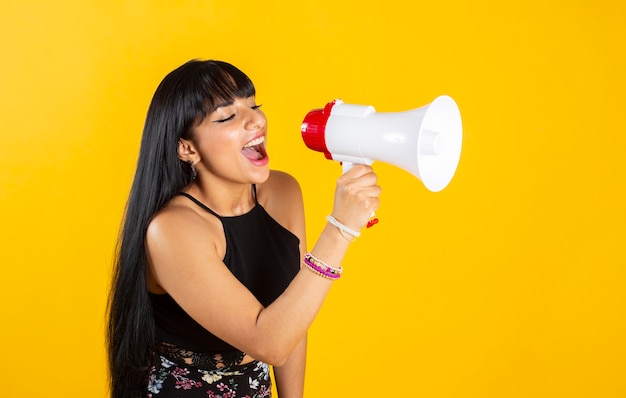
x=213, y=282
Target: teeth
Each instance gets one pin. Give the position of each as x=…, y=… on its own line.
x=257, y=141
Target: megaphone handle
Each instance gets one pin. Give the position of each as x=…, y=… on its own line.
x=345, y=166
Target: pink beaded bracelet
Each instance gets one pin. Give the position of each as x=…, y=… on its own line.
x=323, y=265
x=321, y=268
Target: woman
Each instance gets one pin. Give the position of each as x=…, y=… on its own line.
x=213, y=282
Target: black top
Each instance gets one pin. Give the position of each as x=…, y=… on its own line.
x=261, y=253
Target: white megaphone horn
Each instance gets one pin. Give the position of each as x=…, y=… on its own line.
x=425, y=141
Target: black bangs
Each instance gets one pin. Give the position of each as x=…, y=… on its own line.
x=192, y=91
x=224, y=82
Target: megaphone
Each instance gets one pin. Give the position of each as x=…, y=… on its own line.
x=425, y=141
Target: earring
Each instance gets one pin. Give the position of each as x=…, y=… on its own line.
x=194, y=173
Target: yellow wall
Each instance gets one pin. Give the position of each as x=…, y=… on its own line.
x=509, y=283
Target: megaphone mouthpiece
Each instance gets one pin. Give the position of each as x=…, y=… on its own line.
x=313, y=129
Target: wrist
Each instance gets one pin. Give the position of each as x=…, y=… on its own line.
x=346, y=232
x=331, y=246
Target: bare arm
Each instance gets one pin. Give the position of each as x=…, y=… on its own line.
x=290, y=376
x=185, y=261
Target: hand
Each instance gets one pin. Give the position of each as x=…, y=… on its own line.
x=356, y=196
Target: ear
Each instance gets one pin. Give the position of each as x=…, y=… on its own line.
x=187, y=151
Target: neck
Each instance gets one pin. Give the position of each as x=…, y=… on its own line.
x=223, y=198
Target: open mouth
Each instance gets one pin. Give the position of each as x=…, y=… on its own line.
x=255, y=149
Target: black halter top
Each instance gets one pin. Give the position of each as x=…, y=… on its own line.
x=262, y=254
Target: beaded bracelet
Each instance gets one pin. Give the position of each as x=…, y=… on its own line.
x=320, y=271
x=316, y=261
x=343, y=229
x=320, y=268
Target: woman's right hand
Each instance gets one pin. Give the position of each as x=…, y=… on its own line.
x=356, y=196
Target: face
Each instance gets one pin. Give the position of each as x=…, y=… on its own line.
x=229, y=144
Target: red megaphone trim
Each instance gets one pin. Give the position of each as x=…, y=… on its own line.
x=314, y=129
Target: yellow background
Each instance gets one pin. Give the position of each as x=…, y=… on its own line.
x=509, y=283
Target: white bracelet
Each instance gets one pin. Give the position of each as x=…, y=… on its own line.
x=343, y=229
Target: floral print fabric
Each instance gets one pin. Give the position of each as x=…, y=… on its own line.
x=169, y=379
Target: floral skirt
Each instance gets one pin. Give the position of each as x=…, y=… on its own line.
x=171, y=378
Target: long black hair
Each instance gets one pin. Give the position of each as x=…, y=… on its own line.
x=182, y=100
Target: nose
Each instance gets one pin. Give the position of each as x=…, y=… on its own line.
x=256, y=120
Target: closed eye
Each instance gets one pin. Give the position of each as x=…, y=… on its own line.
x=225, y=119
x=255, y=107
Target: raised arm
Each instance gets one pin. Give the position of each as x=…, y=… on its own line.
x=185, y=251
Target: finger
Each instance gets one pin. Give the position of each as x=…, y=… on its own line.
x=372, y=191
x=358, y=170
x=363, y=180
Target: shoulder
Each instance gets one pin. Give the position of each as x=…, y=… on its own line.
x=180, y=236
x=180, y=224
x=169, y=219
